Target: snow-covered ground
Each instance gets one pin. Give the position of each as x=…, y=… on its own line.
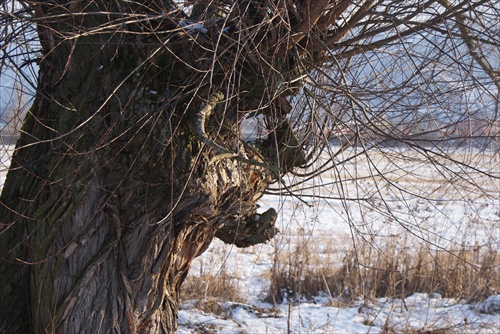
x=424, y=315
x=439, y=207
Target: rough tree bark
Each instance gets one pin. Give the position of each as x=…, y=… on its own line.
x=115, y=185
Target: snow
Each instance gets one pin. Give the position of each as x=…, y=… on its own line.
x=421, y=313
x=311, y=318
x=193, y=26
x=491, y=305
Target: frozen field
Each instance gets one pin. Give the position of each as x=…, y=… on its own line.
x=404, y=202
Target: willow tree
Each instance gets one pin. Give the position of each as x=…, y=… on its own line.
x=131, y=158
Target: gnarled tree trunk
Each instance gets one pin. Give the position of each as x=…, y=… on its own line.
x=122, y=176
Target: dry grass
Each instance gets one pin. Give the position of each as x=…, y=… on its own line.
x=220, y=286
x=391, y=271
x=210, y=291
x=212, y=286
